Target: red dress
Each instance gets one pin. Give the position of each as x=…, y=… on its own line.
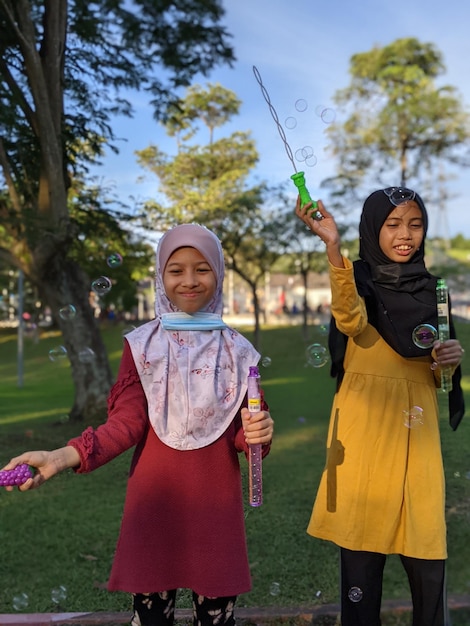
x=183, y=521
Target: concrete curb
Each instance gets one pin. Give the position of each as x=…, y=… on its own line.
x=319, y=614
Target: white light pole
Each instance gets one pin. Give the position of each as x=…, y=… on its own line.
x=20, y=355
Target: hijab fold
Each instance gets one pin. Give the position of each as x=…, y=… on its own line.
x=398, y=296
x=193, y=368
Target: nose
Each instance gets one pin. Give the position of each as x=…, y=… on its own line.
x=405, y=232
x=190, y=279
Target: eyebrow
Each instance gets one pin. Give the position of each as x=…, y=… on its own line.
x=411, y=219
x=180, y=263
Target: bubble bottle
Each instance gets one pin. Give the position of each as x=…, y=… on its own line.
x=443, y=329
x=255, y=475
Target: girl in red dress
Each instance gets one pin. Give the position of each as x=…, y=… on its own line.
x=180, y=399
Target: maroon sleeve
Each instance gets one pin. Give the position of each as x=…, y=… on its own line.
x=126, y=424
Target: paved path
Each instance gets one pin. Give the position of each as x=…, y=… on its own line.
x=259, y=616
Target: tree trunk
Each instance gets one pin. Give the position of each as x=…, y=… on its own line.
x=62, y=283
x=257, y=331
x=305, y=308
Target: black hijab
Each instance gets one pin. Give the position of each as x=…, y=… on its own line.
x=398, y=296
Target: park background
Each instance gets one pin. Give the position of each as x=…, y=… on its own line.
x=100, y=198
x=58, y=542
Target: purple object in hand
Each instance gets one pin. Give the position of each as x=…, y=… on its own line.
x=16, y=476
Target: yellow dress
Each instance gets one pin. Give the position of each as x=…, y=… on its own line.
x=382, y=489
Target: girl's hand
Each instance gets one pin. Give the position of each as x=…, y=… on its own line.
x=448, y=353
x=258, y=427
x=325, y=228
x=46, y=464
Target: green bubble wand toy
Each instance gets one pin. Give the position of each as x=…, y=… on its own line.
x=297, y=177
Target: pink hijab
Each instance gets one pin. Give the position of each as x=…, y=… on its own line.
x=194, y=370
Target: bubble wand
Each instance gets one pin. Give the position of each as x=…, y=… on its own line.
x=255, y=466
x=297, y=177
x=443, y=329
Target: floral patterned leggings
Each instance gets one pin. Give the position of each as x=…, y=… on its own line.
x=158, y=609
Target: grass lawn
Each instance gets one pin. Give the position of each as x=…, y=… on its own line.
x=64, y=534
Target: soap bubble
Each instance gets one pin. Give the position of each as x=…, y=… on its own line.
x=323, y=330
x=413, y=417
x=328, y=116
x=319, y=109
x=101, y=285
x=306, y=155
x=20, y=601
x=114, y=260
x=266, y=361
x=311, y=161
x=86, y=355
x=301, y=105
x=355, y=594
x=424, y=335
x=68, y=312
x=290, y=123
x=58, y=353
x=275, y=589
x=302, y=154
x=59, y=594
x=317, y=355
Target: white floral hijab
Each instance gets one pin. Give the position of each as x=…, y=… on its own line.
x=193, y=368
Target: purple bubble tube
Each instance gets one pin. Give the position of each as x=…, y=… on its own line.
x=255, y=467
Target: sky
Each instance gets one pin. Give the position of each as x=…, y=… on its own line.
x=302, y=50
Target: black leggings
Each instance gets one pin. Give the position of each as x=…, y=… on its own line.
x=361, y=589
x=158, y=609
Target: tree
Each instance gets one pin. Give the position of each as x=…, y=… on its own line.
x=207, y=183
x=65, y=68
x=398, y=121
x=253, y=240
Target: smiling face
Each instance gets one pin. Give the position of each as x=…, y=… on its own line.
x=188, y=280
x=402, y=233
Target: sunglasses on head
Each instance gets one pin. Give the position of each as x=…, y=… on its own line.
x=398, y=195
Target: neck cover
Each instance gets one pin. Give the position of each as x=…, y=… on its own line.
x=193, y=368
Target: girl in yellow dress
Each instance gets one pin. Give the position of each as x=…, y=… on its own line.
x=382, y=490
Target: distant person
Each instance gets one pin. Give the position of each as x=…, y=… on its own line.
x=382, y=491
x=180, y=398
